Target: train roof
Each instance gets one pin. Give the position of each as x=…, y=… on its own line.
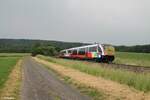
x=81, y=47
x=86, y=46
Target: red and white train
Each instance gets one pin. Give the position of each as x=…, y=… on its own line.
x=98, y=52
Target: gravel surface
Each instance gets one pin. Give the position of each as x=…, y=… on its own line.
x=41, y=84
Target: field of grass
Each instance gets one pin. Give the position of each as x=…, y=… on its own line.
x=141, y=59
x=138, y=81
x=14, y=54
x=6, y=65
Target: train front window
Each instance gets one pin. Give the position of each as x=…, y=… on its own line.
x=99, y=49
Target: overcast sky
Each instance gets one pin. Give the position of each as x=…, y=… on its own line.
x=117, y=22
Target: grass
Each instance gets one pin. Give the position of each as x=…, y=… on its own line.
x=138, y=81
x=92, y=92
x=10, y=78
x=6, y=66
x=141, y=59
x=14, y=54
x=12, y=86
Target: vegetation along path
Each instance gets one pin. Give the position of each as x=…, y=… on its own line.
x=112, y=89
x=41, y=84
x=11, y=89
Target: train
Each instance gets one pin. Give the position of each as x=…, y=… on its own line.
x=97, y=52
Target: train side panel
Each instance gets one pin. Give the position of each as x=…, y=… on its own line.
x=97, y=52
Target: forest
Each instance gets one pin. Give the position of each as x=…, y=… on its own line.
x=28, y=46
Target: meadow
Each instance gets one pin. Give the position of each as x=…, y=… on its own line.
x=139, y=81
x=7, y=63
x=140, y=59
x=14, y=54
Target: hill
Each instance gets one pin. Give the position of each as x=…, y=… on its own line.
x=26, y=46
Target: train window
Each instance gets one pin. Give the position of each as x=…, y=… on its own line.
x=69, y=51
x=74, y=52
x=99, y=49
x=93, y=49
x=81, y=51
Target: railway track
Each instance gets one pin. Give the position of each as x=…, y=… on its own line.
x=133, y=68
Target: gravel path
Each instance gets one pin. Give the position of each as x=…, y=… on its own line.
x=40, y=84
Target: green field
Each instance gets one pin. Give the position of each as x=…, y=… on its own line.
x=6, y=65
x=141, y=59
x=14, y=54
x=136, y=80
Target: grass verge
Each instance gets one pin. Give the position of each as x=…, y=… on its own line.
x=6, y=66
x=11, y=88
x=14, y=54
x=138, y=81
x=92, y=92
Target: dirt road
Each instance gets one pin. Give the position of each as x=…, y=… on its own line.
x=40, y=84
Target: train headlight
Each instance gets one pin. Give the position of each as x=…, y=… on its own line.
x=99, y=56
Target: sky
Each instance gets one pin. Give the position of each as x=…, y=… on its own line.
x=118, y=22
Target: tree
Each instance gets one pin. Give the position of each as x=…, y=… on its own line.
x=44, y=50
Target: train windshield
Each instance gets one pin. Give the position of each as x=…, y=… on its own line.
x=99, y=49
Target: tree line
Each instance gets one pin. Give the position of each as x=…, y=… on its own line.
x=53, y=47
x=44, y=47
x=136, y=48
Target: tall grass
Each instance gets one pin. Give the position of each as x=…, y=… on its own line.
x=138, y=81
x=6, y=66
x=141, y=59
